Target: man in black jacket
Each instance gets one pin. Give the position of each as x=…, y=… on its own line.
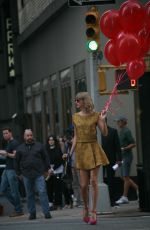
x=111, y=146
x=31, y=163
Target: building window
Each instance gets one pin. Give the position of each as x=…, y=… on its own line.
x=38, y=116
x=54, y=104
x=28, y=113
x=36, y=88
x=80, y=77
x=46, y=110
x=45, y=84
x=37, y=110
x=66, y=101
x=28, y=91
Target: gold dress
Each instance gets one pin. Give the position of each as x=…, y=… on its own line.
x=88, y=153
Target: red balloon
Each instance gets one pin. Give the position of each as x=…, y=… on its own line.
x=135, y=69
x=144, y=36
x=127, y=47
x=147, y=9
x=121, y=35
x=110, y=53
x=110, y=23
x=149, y=41
x=132, y=16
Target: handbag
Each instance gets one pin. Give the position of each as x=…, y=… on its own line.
x=67, y=174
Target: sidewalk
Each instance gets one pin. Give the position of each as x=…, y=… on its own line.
x=126, y=210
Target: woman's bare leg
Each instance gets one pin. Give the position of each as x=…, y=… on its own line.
x=84, y=184
x=94, y=183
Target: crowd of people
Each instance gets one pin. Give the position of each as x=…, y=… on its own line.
x=61, y=170
x=34, y=168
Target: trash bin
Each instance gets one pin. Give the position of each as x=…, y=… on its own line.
x=144, y=192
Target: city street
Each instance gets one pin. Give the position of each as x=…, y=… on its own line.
x=74, y=222
x=74, y=86
x=124, y=217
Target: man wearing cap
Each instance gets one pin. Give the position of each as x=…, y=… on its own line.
x=127, y=143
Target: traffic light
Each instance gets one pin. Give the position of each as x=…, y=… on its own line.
x=92, y=19
x=102, y=81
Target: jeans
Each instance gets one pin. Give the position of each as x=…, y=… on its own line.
x=36, y=184
x=9, y=187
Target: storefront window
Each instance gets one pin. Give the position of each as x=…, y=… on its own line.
x=37, y=110
x=28, y=114
x=46, y=111
x=65, y=78
x=38, y=117
x=36, y=87
x=28, y=91
x=54, y=103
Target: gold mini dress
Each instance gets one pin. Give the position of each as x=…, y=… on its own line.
x=88, y=153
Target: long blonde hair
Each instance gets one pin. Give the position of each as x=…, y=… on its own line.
x=88, y=103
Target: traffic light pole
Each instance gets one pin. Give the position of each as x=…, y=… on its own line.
x=103, y=204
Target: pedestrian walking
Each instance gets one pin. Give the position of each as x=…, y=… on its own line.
x=127, y=143
x=31, y=164
x=9, y=181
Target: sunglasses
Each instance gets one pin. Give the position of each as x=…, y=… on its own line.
x=78, y=100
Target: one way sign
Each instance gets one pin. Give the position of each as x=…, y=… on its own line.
x=89, y=2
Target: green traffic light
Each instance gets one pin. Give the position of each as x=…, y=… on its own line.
x=92, y=45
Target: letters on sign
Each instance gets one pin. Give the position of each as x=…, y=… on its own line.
x=10, y=48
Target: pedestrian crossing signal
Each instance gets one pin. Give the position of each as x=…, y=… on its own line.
x=126, y=83
x=133, y=82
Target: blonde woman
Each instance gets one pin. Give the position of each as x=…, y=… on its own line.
x=89, y=155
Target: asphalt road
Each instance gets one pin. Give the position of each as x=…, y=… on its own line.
x=108, y=223
x=125, y=217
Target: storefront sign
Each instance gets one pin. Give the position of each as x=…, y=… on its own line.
x=10, y=48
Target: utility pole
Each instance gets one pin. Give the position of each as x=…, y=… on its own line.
x=103, y=204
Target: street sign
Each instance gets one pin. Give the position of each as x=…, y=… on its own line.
x=89, y=2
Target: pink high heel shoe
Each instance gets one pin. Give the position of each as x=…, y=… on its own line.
x=93, y=218
x=86, y=215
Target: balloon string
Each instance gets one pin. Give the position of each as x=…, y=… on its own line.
x=113, y=93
